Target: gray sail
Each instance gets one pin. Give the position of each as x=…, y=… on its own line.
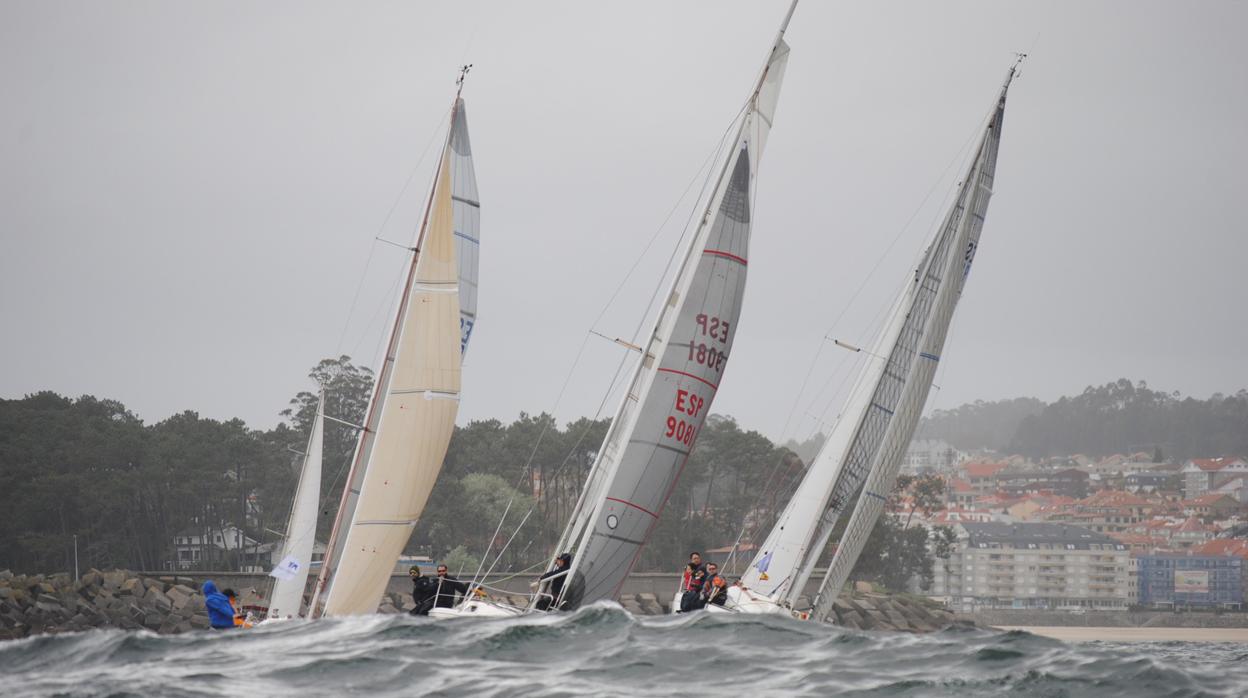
x=941, y=284
x=678, y=376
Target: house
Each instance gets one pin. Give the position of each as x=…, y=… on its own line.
x=1237, y=487
x=1190, y=533
x=1203, y=474
x=1030, y=506
x=960, y=492
x=1215, y=505
x=1146, y=481
x=1069, y=482
x=982, y=476
x=1107, y=511
x=202, y=548
x=929, y=455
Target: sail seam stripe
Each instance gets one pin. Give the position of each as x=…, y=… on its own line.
x=462, y=200
x=467, y=237
x=885, y=409
x=727, y=255
x=689, y=375
x=926, y=355
x=635, y=506
x=876, y=495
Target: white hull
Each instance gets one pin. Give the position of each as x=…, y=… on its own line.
x=478, y=609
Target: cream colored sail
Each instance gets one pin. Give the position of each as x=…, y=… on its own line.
x=415, y=417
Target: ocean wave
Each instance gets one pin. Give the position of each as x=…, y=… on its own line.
x=603, y=650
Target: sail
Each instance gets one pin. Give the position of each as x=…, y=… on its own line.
x=776, y=567
x=942, y=282
x=466, y=213
x=679, y=373
x=415, y=421
x=291, y=573
x=465, y=210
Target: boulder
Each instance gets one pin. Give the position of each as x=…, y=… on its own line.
x=200, y=622
x=158, y=600
x=153, y=620
x=113, y=579
x=129, y=586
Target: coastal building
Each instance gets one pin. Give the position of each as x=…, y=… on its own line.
x=1147, y=482
x=1107, y=511
x=1068, y=482
x=982, y=476
x=1177, y=579
x=930, y=455
x=1203, y=474
x=207, y=548
x=1215, y=505
x=1033, y=565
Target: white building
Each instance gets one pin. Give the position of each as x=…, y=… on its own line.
x=1033, y=565
x=201, y=548
x=1203, y=474
x=930, y=455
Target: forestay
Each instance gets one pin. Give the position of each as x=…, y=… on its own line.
x=291, y=574
x=679, y=372
x=940, y=286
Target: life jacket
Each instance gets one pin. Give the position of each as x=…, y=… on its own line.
x=694, y=579
x=716, y=589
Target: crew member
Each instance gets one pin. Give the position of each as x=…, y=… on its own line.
x=424, y=590
x=691, y=584
x=715, y=588
x=555, y=586
x=447, y=589
x=240, y=619
x=220, y=611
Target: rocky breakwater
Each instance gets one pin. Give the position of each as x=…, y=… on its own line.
x=33, y=604
x=899, y=612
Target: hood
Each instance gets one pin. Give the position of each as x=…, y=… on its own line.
x=210, y=587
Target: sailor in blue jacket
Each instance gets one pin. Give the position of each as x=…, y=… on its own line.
x=220, y=612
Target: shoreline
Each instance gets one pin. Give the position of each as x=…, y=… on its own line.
x=1080, y=633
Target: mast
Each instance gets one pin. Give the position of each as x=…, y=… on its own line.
x=368, y=433
x=671, y=390
x=944, y=279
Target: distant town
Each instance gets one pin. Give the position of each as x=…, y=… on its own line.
x=1077, y=533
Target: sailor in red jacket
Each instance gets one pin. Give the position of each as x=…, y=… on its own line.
x=691, y=584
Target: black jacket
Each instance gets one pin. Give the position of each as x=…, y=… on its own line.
x=447, y=588
x=423, y=589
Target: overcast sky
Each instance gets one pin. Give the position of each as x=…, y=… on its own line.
x=189, y=192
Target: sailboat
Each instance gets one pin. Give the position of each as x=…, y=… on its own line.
x=864, y=451
x=291, y=574
x=676, y=378
x=411, y=413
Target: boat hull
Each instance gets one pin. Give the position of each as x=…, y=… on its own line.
x=476, y=608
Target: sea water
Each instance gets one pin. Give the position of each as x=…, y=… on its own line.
x=603, y=650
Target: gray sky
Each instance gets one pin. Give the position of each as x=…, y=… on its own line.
x=189, y=191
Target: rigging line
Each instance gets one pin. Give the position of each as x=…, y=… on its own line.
x=615, y=294
x=380, y=229
x=957, y=158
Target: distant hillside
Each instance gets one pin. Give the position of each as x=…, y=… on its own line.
x=1114, y=418
x=980, y=424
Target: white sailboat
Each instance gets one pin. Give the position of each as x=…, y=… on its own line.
x=291, y=574
x=411, y=414
x=868, y=442
x=676, y=379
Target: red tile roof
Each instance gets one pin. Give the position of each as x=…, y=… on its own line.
x=983, y=469
x=1219, y=463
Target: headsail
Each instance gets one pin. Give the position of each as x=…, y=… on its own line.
x=412, y=411
x=680, y=370
x=291, y=573
x=939, y=287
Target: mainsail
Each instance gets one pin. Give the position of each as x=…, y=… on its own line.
x=938, y=287
x=680, y=370
x=291, y=573
x=411, y=415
